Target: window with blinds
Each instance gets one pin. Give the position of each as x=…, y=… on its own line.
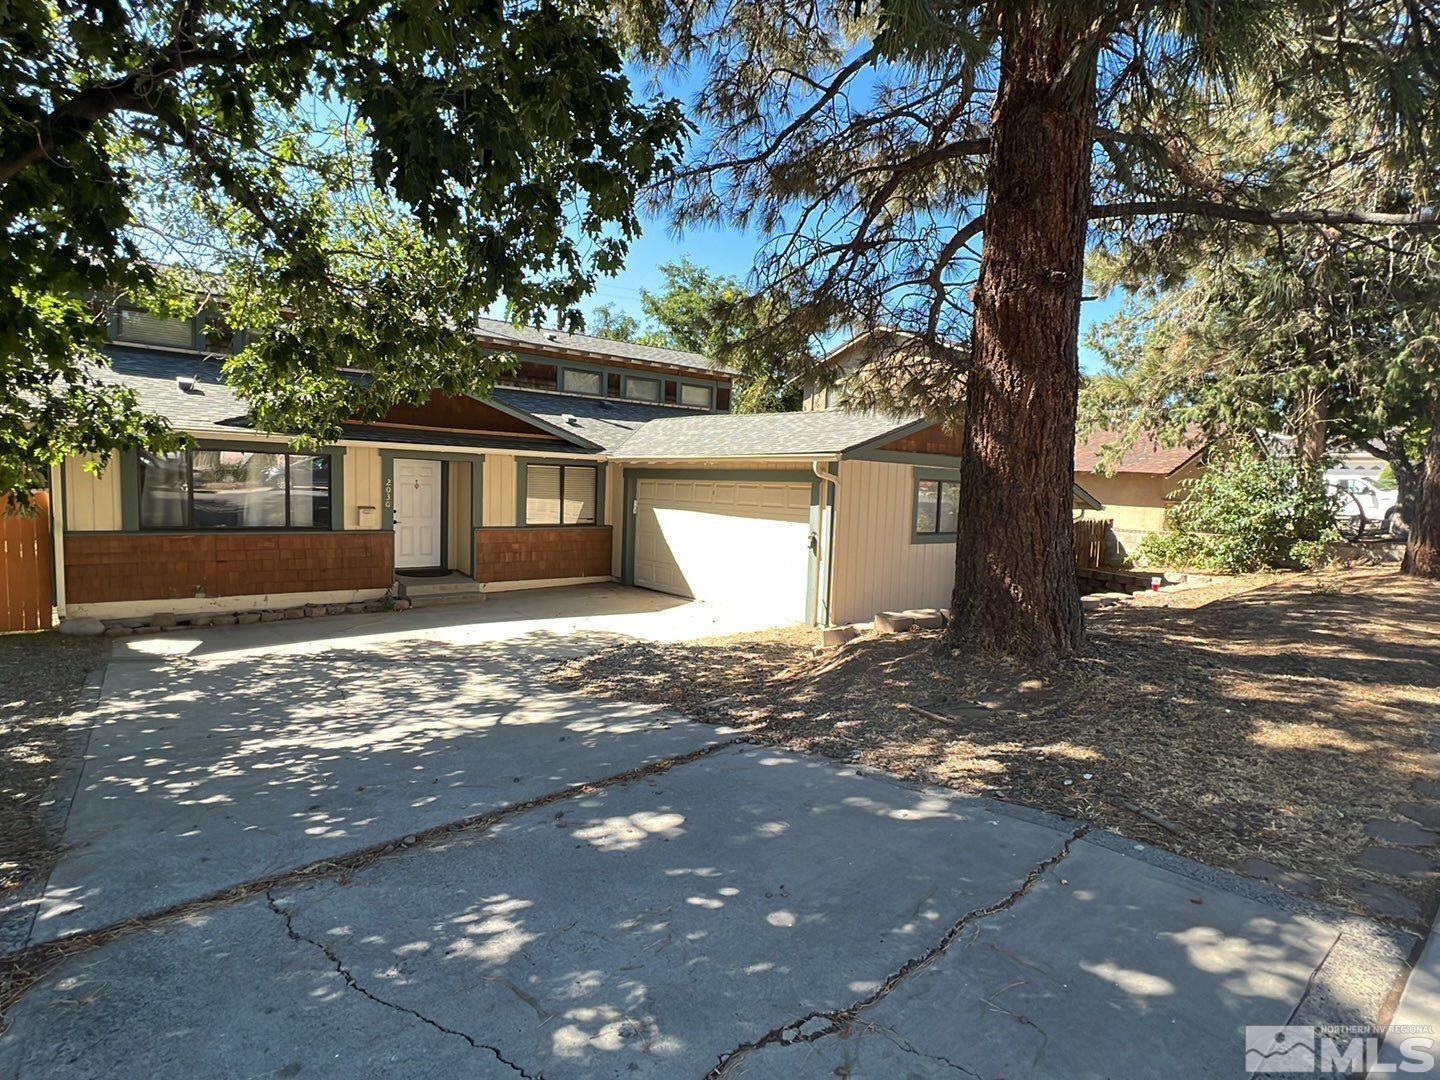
x=142, y=328
x=561, y=494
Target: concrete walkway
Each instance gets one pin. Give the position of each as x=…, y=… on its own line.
x=635, y=895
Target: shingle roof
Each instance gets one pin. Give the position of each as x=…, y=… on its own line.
x=730, y=435
x=1146, y=456
x=211, y=406
x=605, y=422
x=521, y=336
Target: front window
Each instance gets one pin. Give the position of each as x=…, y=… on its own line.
x=234, y=489
x=580, y=381
x=560, y=494
x=697, y=396
x=638, y=389
x=937, y=507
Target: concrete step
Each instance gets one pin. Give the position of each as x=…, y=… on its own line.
x=421, y=590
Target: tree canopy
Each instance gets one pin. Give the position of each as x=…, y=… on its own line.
x=354, y=180
x=878, y=144
x=707, y=313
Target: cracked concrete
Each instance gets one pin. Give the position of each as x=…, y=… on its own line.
x=806, y=1030
x=650, y=928
x=350, y=981
x=674, y=919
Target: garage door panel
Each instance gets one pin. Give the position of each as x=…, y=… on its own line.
x=726, y=541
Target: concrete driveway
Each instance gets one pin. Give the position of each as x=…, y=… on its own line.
x=601, y=889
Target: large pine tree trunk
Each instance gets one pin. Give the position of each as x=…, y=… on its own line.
x=1015, y=589
x=1422, y=549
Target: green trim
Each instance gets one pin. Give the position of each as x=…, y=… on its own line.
x=445, y=515
x=60, y=503
x=130, y=490
x=918, y=474
x=522, y=481
x=1084, y=498
x=680, y=384
x=337, y=489
x=896, y=457
x=658, y=380
x=446, y=459
x=812, y=565
x=561, y=366
x=632, y=478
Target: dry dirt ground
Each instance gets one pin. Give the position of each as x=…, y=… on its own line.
x=1282, y=725
x=40, y=679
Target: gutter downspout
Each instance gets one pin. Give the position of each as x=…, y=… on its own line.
x=828, y=563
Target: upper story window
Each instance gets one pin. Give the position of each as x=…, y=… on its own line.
x=142, y=328
x=234, y=489
x=560, y=494
x=582, y=381
x=696, y=396
x=937, y=508
x=638, y=388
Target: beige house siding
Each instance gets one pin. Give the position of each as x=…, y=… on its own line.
x=876, y=566
x=461, y=540
x=363, y=497
x=1134, y=503
x=499, y=490
x=92, y=504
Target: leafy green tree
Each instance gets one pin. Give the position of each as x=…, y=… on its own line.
x=354, y=180
x=1247, y=511
x=711, y=314
x=877, y=142
x=1330, y=336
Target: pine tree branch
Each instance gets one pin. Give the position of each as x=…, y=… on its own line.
x=1254, y=215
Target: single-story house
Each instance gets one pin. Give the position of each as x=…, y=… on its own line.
x=595, y=460
x=1142, y=485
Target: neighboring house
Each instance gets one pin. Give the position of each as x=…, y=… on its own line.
x=902, y=357
x=595, y=461
x=1143, y=485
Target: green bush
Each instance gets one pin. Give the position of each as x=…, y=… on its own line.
x=1246, y=512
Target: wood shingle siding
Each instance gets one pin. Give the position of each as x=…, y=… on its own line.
x=538, y=553
x=101, y=568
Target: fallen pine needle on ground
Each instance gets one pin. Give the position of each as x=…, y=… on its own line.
x=1269, y=718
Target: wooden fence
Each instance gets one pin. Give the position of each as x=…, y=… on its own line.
x=1090, y=542
x=27, y=597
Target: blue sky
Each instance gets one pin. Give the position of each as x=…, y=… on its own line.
x=726, y=251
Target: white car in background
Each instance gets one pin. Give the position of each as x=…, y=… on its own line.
x=1364, y=508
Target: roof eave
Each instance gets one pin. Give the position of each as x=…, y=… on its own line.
x=543, y=425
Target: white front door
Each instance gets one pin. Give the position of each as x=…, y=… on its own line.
x=417, y=512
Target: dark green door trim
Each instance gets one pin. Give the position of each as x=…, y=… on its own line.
x=632, y=478
x=477, y=491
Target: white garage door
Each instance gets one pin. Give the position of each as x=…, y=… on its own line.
x=729, y=541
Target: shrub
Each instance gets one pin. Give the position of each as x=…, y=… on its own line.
x=1246, y=512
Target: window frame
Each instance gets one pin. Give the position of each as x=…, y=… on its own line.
x=117, y=325
x=583, y=369
x=708, y=388
x=939, y=477
x=627, y=378
x=189, y=525
x=522, y=509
